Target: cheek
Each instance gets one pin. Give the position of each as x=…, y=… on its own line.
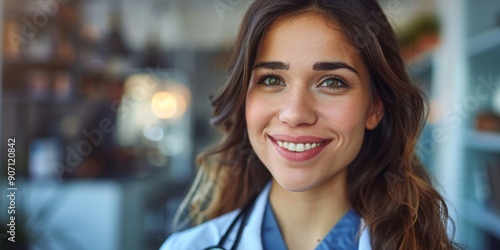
x=347, y=117
x=256, y=114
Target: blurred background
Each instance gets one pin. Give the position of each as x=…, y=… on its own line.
x=108, y=103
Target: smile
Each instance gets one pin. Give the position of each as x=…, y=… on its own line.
x=298, y=147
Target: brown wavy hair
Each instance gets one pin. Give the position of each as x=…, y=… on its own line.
x=387, y=184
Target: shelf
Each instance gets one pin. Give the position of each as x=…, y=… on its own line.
x=483, y=218
x=484, y=42
x=51, y=66
x=483, y=141
x=42, y=102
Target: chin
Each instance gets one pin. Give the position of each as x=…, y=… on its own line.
x=299, y=184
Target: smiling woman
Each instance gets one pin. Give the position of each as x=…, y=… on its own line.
x=332, y=121
x=315, y=98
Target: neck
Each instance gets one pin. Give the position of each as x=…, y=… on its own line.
x=305, y=218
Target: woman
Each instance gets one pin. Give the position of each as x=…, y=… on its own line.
x=319, y=124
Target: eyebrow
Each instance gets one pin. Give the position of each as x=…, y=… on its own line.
x=318, y=66
x=325, y=66
x=272, y=65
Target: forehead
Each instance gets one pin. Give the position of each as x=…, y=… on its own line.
x=307, y=38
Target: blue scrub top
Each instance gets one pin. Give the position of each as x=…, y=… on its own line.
x=342, y=236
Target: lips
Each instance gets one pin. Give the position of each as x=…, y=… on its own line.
x=300, y=148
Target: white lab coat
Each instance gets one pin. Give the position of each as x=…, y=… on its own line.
x=209, y=233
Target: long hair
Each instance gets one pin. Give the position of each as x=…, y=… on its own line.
x=387, y=185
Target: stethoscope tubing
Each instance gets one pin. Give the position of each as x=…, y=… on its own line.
x=243, y=213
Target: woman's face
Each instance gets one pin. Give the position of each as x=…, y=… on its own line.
x=308, y=103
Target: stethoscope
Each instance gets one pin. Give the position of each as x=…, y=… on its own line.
x=243, y=214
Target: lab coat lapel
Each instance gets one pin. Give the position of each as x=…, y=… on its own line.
x=254, y=227
x=364, y=240
x=251, y=238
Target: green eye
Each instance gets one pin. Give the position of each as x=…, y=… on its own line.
x=272, y=80
x=333, y=83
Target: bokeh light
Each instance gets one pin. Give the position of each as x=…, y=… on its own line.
x=164, y=105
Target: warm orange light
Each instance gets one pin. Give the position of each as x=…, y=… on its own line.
x=181, y=105
x=164, y=105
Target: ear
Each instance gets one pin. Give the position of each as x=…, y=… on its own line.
x=376, y=114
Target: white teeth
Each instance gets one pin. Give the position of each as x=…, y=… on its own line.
x=298, y=147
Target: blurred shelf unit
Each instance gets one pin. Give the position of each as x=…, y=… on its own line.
x=481, y=147
x=481, y=206
x=480, y=201
x=41, y=70
x=483, y=217
x=483, y=211
x=40, y=50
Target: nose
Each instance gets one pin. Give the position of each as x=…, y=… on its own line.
x=297, y=109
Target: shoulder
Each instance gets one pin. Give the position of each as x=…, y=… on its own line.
x=201, y=236
x=210, y=232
